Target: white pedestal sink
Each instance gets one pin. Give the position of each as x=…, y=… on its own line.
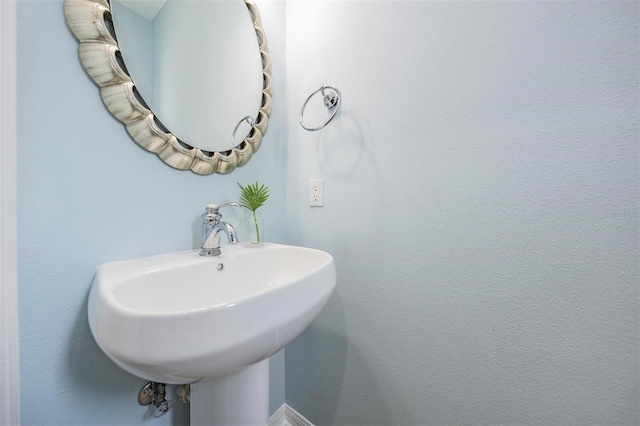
x=210, y=321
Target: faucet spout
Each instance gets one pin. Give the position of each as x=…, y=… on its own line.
x=211, y=241
x=212, y=227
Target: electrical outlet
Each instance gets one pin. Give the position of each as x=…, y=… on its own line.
x=316, y=192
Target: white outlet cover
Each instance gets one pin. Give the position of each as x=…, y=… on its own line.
x=316, y=192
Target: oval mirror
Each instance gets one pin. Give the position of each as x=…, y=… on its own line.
x=198, y=95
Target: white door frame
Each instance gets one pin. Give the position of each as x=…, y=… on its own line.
x=9, y=356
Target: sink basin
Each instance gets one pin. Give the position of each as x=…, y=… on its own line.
x=183, y=318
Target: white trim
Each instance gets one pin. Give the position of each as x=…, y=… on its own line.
x=9, y=357
x=287, y=416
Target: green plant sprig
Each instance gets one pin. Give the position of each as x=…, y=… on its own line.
x=252, y=197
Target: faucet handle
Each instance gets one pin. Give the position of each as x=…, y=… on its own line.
x=212, y=214
x=213, y=208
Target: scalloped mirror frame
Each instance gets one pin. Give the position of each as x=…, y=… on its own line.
x=98, y=49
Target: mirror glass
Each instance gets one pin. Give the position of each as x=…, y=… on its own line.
x=196, y=63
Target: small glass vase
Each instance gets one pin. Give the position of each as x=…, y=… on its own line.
x=252, y=230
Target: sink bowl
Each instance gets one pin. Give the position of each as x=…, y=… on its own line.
x=182, y=318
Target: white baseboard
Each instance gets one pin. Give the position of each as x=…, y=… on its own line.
x=287, y=416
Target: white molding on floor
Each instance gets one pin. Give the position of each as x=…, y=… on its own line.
x=287, y=416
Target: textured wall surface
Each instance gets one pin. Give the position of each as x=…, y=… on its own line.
x=481, y=202
x=87, y=194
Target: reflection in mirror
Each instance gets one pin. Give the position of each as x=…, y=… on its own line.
x=196, y=63
x=99, y=51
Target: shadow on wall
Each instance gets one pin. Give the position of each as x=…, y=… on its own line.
x=321, y=354
x=341, y=149
x=94, y=377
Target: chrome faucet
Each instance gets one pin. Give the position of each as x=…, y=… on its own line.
x=212, y=226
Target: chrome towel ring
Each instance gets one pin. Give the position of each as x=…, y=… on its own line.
x=331, y=98
x=249, y=119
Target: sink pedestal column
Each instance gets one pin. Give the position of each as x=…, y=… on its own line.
x=241, y=398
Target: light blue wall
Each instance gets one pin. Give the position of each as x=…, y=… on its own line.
x=481, y=202
x=87, y=195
